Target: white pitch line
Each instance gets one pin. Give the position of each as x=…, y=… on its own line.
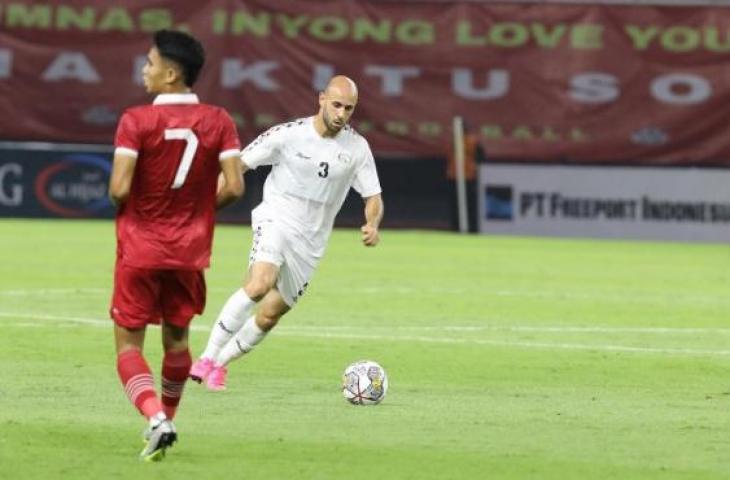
x=562, y=295
x=507, y=343
x=96, y=322
x=322, y=333
x=52, y=291
x=455, y=328
x=546, y=329
x=527, y=328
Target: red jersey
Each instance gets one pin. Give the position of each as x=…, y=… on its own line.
x=167, y=221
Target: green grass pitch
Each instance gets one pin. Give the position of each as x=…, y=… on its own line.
x=508, y=358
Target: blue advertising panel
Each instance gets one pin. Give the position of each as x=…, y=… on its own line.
x=43, y=180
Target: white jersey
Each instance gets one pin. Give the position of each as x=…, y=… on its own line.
x=310, y=177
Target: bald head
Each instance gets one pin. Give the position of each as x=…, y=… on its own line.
x=336, y=105
x=341, y=85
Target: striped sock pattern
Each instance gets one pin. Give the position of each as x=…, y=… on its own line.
x=175, y=369
x=139, y=386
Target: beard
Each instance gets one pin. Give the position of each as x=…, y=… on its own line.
x=329, y=123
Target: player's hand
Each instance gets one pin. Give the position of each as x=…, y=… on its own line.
x=221, y=183
x=370, y=235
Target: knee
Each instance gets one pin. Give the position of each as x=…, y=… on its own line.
x=266, y=321
x=256, y=288
x=174, y=338
x=126, y=347
x=175, y=345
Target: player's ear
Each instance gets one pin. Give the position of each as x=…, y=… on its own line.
x=173, y=73
x=322, y=98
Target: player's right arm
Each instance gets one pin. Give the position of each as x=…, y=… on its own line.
x=120, y=182
x=265, y=148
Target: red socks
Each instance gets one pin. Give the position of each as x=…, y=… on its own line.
x=138, y=383
x=175, y=371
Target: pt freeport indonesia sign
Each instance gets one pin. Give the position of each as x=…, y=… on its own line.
x=686, y=204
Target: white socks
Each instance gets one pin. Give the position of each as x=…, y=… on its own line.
x=230, y=320
x=244, y=341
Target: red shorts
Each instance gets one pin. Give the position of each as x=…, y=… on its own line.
x=143, y=296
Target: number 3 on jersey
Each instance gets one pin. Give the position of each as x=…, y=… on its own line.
x=324, y=169
x=191, y=145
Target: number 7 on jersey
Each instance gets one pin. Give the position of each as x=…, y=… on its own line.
x=191, y=146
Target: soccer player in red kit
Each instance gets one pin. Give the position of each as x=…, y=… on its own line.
x=164, y=181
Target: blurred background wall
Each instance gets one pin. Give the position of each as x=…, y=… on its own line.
x=603, y=84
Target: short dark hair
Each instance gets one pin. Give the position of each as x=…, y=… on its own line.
x=183, y=49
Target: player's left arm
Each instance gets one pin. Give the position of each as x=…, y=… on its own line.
x=128, y=142
x=230, y=185
x=122, y=174
x=367, y=184
x=374, y=210
x=230, y=182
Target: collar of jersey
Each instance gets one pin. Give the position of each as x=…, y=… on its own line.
x=167, y=98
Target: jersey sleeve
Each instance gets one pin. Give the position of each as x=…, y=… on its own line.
x=230, y=144
x=263, y=150
x=128, y=139
x=366, y=181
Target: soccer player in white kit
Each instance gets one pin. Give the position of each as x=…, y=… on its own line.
x=314, y=161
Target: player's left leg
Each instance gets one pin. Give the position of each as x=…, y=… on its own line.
x=175, y=366
x=271, y=308
x=134, y=305
x=182, y=296
x=135, y=374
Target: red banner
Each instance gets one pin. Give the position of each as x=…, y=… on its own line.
x=538, y=82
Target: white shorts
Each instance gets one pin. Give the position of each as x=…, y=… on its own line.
x=296, y=267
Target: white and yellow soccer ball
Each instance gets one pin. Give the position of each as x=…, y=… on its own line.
x=364, y=383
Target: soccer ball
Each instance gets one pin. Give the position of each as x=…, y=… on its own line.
x=364, y=383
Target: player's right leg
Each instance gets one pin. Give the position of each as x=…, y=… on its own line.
x=229, y=321
x=176, y=364
x=271, y=308
x=262, y=277
x=293, y=277
x=184, y=297
x=265, y=258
